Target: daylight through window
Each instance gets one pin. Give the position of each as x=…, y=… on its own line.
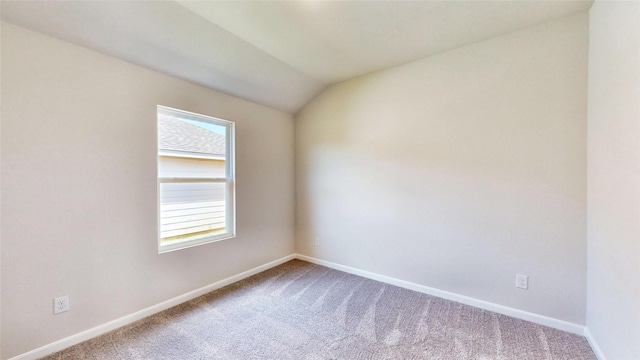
x=195, y=179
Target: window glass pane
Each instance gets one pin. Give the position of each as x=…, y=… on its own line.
x=195, y=179
x=191, y=211
x=202, y=142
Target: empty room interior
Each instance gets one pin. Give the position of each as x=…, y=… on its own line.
x=390, y=180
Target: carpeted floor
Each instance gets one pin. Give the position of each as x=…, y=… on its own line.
x=304, y=311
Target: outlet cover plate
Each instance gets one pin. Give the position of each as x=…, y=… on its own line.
x=61, y=304
x=522, y=281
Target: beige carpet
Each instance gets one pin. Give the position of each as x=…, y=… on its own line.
x=304, y=311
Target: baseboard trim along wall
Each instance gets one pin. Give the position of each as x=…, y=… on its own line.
x=594, y=346
x=518, y=314
x=128, y=319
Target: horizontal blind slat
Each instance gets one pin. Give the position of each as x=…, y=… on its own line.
x=191, y=230
x=178, y=219
x=194, y=223
x=191, y=205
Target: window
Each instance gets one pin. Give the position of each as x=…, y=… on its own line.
x=195, y=179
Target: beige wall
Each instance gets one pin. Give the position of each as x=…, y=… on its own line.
x=79, y=189
x=613, y=287
x=458, y=171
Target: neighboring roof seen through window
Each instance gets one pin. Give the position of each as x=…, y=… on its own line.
x=177, y=135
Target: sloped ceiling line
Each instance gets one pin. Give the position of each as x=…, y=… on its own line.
x=278, y=53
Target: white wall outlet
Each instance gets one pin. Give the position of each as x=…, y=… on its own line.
x=317, y=241
x=522, y=281
x=61, y=304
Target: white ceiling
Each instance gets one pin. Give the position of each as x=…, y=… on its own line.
x=278, y=53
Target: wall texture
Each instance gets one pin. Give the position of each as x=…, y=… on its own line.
x=79, y=189
x=613, y=296
x=458, y=171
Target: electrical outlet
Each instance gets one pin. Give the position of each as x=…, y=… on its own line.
x=61, y=304
x=317, y=241
x=522, y=281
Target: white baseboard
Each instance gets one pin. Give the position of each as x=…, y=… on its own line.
x=128, y=319
x=594, y=345
x=519, y=314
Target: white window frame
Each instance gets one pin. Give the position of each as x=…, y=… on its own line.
x=229, y=180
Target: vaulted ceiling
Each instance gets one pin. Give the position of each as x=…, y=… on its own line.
x=278, y=53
